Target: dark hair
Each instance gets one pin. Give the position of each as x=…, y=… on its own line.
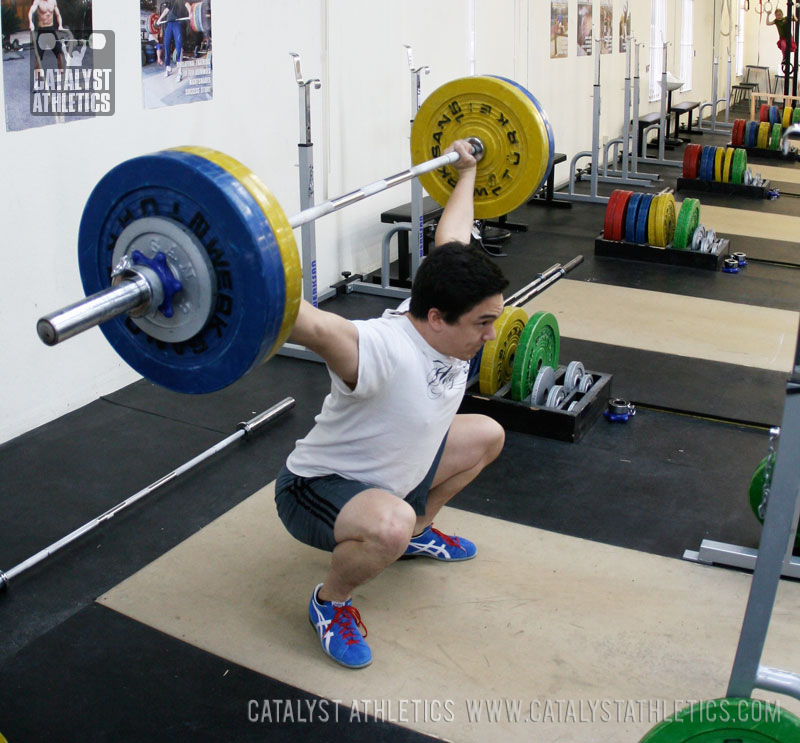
x=454, y=278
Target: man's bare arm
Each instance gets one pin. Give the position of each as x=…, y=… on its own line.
x=34, y=8
x=332, y=337
x=455, y=224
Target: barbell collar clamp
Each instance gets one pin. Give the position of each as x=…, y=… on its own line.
x=618, y=406
x=268, y=415
x=539, y=285
x=132, y=294
x=546, y=274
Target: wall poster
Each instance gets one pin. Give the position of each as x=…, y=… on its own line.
x=559, y=18
x=56, y=67
x=585, y=41
x=176, y=52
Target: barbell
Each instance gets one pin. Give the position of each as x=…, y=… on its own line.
x=189, y=263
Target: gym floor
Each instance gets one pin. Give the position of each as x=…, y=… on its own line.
x=183, y=618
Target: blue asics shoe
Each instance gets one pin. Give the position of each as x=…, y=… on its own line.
x=337, y=625
x=432, y=543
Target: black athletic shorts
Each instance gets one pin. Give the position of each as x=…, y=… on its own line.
x=308, y=506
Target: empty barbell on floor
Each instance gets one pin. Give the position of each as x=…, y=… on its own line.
x=189, y=263
x=243, y=429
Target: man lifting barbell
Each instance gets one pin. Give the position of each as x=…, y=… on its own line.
x=173, y=33
x=388, y=449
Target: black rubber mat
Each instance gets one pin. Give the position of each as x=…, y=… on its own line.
x=252, y=394
x=660, y=483
x=763, y=249
x=69, y=472
x=786, y=188
x=760, y=206
x=695, y=386
x=137, y=684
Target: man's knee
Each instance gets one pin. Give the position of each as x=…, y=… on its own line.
x=379, y=518
x=492, y=436
x=393, y=532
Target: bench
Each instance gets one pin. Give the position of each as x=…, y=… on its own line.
x=741, y=93
x=644, y=122
x=430, y=211
x=683, y=107
x=547, y=199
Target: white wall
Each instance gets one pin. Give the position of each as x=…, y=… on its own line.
x=360, y=122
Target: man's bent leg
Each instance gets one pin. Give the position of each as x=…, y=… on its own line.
x=372, y=530
x=474, y=441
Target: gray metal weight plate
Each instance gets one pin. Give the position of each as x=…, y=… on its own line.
x=545, y=380
x=188, y=262
x=573, y=375
x=585, y=384
x=697, y=238
x=708, y=241
x=556, y=396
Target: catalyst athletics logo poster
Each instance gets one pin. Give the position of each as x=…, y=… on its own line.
x=56, y=67
x=84, y=85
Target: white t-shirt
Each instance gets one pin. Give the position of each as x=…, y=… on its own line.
x=387, y=431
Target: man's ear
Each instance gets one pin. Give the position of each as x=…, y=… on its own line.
x=435, y=319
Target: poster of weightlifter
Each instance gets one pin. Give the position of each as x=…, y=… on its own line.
x=176, y=52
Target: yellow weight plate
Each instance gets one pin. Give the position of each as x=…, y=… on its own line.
x=516, y=135
x=726, y=168
x=497, y=358
x=719, y=158
x=763, y=135
x=284, y=236
x=664, y=221
x=652, y=220
x=787, y=116
x=668, y=219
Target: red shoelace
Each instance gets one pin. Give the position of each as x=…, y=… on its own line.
x=349, y=619
x=451, y=541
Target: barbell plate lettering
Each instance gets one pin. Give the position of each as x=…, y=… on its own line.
x=551, y=145
x=284, y=235
x=244, y=254
x=518, y=148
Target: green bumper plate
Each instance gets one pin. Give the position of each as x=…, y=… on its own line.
x=538, y=347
